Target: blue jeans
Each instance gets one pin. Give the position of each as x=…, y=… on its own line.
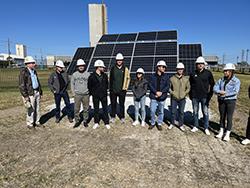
x=181, y=105
x=154, y=104
x=137, y=106
x=204, y=107
x=65, y=97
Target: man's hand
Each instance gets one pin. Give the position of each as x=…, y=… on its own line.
x=222, y=93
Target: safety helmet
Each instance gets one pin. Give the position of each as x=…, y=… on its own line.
x=140, y=70
x=80, y=62
x=59, y=63
x=99, y=63
x=119, y=56
x=229, y=66
x=200, y=60
x=29, y=59
x=161, y=63
x=180, y=66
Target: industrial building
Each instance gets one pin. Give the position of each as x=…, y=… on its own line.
x=51, y=60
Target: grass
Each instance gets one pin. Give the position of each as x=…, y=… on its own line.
x=9, y=91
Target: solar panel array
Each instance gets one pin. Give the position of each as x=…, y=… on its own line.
x=188, y=54
x=143, y=49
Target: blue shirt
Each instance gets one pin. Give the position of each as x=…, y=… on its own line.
x=34, y=80
x=232, y=88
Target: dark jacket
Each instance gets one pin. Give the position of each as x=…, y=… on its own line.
x=202, y=84
x=139, y=88
x=25, y=83
x=96, y=87
x=54, y=83
x=126, y=78
x=164, y=86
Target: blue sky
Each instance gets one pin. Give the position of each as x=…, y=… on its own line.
x=60, y=26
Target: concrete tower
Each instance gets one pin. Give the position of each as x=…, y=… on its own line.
x=97, y=22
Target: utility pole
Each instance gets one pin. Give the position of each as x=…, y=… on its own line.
x=223, y=58
x=9, y=52
x=242, y=55
x=237, y=61
x=247, y=55
x=41, y=56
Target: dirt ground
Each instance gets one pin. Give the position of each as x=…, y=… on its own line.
x=124, y=156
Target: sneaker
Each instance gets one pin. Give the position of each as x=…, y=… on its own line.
x=135, y=123
x=220, y=135
x=95, y=125
x=194, y=129
x=107, y=126
x=112, y=120
x=227, y=136
x=77, y=124
x=30, y=127
x=70, y=120
x=170, y=126
x=245, y=141
x=143, y=123
x=207, y=132
x=122, y=120
x=85, y=124
x=159, y=127
x=182, y=128
x=57, y=120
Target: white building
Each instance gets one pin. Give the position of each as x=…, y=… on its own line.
x=21, y=50
x=18, y=60
x=51, y=59
x=97, y=22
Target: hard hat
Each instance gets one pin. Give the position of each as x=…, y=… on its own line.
x=161, y=63
x=180, y=66
x=119, y=56
x=29, y=59
x=80, y=62
x=140, y=70
x=200, y=60
x=99, y=63
x=229, y=66
x=59, y=63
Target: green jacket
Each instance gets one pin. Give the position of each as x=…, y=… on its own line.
x=179, y=87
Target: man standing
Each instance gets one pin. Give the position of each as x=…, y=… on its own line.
x=159, y=86
x=98, y=88
x=31, y=91
x=79, y=88
x=58, y=83
x=119, y=83
x=202, y=83
x=179, y=89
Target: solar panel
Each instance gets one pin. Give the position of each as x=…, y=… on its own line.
x=125, y=49
x=167, y=35
x=127, y=37
x=81, y=53
x=103, y=50
x=143, y=49
x=166, y=48
x=142, y=62
x=190, y=50
x=146, y=36
x=109, y=38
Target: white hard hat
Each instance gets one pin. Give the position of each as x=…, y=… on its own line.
x=59, y=63
x=180, y=66
x=140, y=70
x=29, y=59
x=119, y=56
x=161, y=63
x=229, y=66
x=99, y=63
x=80, y=62
x=200, y=60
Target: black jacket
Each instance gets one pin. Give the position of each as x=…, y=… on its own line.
x=54, y=83
x=202, y=84
x=25, y=83
x=139, y=88
x=98, y=88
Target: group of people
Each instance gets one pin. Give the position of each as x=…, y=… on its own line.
x=199, y=86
